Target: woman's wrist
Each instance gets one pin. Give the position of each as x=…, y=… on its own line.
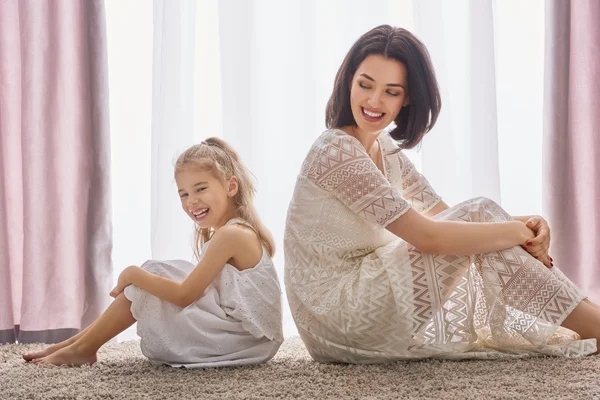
x=525, y=234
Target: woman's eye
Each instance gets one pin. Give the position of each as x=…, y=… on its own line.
x=362, y=85
x=200, y=189
x=393, y=94
x=183, y=195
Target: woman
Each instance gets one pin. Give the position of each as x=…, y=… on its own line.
x=379, y=268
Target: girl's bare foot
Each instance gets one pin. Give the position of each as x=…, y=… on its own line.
x=46, y=352
x=55, y=347
x=72, y=356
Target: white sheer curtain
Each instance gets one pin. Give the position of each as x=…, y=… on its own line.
x=259, y=73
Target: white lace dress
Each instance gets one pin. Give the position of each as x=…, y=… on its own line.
x=237, y=320
x=360, y=294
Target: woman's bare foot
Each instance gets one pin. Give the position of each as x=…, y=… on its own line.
x=72, y=356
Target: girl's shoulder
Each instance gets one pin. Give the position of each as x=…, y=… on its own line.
x=244, y=242
x=237, y=230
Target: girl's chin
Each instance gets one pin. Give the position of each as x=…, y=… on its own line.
x=203, y=223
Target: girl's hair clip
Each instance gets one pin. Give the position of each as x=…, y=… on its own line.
x=215, y=144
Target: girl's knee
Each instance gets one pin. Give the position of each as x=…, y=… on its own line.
x=152, y=266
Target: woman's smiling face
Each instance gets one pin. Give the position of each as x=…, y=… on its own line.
x=379, y=90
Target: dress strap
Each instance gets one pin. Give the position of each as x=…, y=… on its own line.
x=237, y=221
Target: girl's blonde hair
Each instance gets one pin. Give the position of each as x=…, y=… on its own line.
x=217, y=156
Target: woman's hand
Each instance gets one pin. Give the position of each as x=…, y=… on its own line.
x=123, y=281
x=538, y=246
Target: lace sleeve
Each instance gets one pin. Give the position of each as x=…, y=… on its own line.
x=415, y=187
x=340, y=165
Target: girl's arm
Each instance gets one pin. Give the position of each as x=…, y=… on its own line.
x=224, y=245
x=458, y=238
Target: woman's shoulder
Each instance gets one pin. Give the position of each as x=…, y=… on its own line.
x=333, y=139
x=387, y=142
x=332, y=135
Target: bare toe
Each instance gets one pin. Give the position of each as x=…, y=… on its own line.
x=34, y=355
x=69, y=356
x=44, y=353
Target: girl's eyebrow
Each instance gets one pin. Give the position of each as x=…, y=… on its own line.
x=389, y=84
x=199, y=183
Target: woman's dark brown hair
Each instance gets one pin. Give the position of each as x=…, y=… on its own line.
x=419, y=116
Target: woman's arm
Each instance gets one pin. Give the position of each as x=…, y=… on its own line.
x=458, y=238
x=438, y=208
x=442, y=206
x=223, y=246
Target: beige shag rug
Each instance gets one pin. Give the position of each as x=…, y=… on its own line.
x=123, y=373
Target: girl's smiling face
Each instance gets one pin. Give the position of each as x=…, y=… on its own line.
x=207, y=199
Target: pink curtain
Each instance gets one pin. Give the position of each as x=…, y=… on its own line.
x=572, y=139
x=55, y=232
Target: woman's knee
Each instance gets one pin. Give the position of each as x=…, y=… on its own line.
x=484, y=201
x=492, y=210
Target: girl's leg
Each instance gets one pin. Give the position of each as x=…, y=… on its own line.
x=113, y=321
x=51, y=349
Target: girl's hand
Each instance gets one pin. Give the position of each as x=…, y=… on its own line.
x=538, y=246
x=123, y=281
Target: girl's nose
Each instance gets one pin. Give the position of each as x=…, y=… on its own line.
x=192, y=201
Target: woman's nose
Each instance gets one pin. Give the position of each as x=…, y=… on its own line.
x=374, y=100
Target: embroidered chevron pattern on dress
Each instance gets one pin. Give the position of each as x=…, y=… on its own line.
x=359, y=294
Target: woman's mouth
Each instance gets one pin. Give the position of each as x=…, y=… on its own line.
x=371, y=116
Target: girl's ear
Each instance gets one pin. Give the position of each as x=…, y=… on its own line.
x=232, y=186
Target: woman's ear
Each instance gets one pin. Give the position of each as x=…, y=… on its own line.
x=232, y=186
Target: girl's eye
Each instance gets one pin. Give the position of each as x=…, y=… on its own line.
x=393, y=94
x=200, y=189
x=183, y=195
x=362, y=85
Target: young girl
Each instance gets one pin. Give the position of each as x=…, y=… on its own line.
x=224, y=311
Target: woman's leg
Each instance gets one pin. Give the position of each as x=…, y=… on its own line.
x=591, y=304
x=585, y=320
x=517, y=297
x=113, y=321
